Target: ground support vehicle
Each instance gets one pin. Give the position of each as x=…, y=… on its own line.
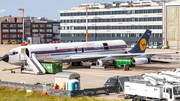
x=14, y=42
x=7, y=42
x=143, y=90
x=24, y=43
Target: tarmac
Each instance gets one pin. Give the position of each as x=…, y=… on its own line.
x=90, y=78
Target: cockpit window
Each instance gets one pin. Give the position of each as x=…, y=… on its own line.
x=12, y=52
x=15, y=52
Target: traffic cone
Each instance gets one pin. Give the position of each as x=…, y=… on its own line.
x=44, y=93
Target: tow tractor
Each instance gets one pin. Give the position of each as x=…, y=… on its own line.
x=11, y=69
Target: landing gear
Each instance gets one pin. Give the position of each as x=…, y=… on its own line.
x=93, y=64
x=22, y=68
x=76, y=63
x=12, y=71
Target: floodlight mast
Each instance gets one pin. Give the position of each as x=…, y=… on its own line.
x=22, y=9
x=86, y=22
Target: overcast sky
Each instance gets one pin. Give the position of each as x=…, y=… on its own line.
x=41, y=8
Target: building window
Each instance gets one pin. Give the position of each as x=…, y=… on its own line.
x=20, y=35
x=20, y=30
x=48, y=35
x=41, y=30
x=49, y=30
x=5, y=36
x=12, y=30
x=5, y=25
x=12, y=25
x=35, y=35
x=5, y=40
x=35, y=30
x=12, y=35
x=48, y=25
x=42, y=35
x=115, y=27
x=20, y=25
x=113, y=12
x=19, y=40
x=43, y=40
x=42, y=25
x=48, y=40
x=5, y=30
x=35, y=25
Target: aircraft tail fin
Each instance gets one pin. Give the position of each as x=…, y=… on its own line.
x=140, y=47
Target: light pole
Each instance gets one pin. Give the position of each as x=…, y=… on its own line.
x=22, y=9
x=86, y=22
x=164, y=37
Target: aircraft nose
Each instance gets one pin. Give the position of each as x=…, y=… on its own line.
x=5, y=58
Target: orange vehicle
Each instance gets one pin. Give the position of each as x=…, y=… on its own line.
x=23, y=43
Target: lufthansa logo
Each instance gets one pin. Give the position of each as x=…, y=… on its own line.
x=143, y=44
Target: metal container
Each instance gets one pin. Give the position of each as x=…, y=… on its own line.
x=52, y=67
x=121, y=62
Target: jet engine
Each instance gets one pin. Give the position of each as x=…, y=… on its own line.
x=102, y=63
x=141, y=60
x=99, y=63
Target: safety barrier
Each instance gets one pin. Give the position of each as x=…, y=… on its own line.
x=21, y=86
x=59, y=92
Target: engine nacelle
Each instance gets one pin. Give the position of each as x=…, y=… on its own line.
x=99, y=63
x=102, y=63
x=141, y=60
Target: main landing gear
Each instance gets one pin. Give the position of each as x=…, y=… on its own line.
x=76, y=63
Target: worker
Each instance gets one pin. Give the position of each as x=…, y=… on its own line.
x=56, y=86
x=125, y=67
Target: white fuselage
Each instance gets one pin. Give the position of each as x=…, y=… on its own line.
x=60, y=51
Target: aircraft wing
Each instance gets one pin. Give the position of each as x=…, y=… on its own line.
x=152, y=54
x=110, y=56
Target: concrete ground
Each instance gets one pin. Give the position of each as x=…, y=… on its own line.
x=90, y=78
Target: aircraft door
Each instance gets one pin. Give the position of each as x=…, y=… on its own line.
x=24, y=52
x=106, y=47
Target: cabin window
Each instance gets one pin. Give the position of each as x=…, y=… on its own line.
x=76, y=50
x=82, y=49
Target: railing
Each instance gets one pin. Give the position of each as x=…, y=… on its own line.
x=38, y=64
x=21, y=86
x=30, y=63
x=59, y=92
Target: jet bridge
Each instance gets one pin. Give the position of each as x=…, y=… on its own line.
x=36, y=67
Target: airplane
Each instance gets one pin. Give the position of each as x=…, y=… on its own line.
x=97, y=52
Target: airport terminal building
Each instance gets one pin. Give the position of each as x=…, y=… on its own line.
x=120, y=20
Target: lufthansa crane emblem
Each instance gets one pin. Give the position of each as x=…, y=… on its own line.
x=143, y=44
